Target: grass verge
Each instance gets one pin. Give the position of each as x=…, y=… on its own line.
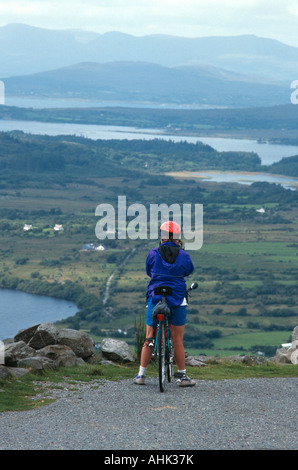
x=24, y=393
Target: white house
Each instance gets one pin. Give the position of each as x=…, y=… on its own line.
x=27, y=227
x=261, y=211
x=100, y=248
x=58, y=228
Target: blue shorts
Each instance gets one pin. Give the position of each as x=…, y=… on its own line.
x=178, y=315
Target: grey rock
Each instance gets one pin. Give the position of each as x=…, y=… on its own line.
x=37, y=363
x=116, y=350
x=16, y=351
x=26, y=334
x=18, y=371
x=194, y=362
x=254, y=360
x=288, y=353
x=4, y=373
x=80, y=342
x=45, y=334
x=60, y=354
x=294, y=336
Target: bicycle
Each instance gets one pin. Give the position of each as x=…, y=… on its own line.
x=163, y=346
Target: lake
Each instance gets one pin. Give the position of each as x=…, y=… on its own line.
x=269, y=153
x=246, y=178
x=19, y=310
x=42, y=103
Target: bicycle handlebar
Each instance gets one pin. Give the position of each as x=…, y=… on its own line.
x=193, y=286
x=165, y=290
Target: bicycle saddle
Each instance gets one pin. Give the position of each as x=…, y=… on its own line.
x=163, y=290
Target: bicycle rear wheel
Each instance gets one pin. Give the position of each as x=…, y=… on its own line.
x=169, y=356
x=162, y=370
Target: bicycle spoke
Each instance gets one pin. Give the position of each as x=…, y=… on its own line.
x=162, y=357
x=169, y=356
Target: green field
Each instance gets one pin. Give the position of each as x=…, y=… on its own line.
x=247, y=269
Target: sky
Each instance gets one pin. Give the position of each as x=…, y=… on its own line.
x=275, y=19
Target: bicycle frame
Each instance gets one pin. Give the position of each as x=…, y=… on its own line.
x=163, y=346
x=163, y=349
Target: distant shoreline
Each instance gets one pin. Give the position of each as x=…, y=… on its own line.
x=203, y=175
x=275, y=125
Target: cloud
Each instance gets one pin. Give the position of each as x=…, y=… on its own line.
x=15, y=10
x=293, y=9
x=268, y=18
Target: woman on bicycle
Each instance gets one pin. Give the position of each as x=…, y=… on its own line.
x=168, y=265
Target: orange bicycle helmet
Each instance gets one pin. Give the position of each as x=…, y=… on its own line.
x=170, y=229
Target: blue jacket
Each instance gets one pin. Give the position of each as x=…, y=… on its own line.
x=168, y=265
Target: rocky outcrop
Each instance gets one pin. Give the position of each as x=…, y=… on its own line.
x=43, y=346
x=200, y=361
x=288, y=353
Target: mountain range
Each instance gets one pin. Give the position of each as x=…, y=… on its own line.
x=223, y=71
x=142, y=82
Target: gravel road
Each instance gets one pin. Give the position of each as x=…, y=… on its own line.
x=216, y=415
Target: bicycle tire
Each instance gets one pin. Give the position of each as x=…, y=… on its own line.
x=162, y=357
x=169, y=356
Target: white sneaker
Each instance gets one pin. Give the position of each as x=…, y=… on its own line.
x=184, y=381
x=139, y=380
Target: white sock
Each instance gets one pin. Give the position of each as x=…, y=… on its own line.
x=142, y=370
x=182, y=371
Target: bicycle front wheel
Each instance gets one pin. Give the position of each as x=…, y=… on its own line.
x=162, y=357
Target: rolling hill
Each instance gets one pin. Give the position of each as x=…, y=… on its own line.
x=142, y=82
